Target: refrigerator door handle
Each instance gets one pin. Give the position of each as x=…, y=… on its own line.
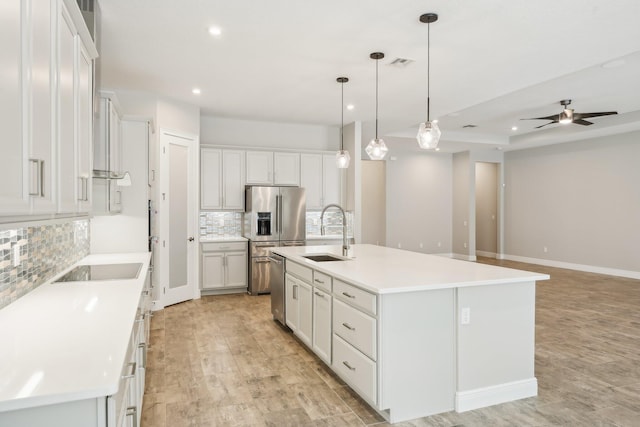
x=280, y=213
x=277, y=218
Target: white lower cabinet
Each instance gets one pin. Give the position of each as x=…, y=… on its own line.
x=322, y=324
x=298, y=308
x=357, y=369
x=224, y=266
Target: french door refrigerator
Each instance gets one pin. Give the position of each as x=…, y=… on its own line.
x=274, y=216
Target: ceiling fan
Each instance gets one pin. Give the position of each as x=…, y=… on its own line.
x=569, y=116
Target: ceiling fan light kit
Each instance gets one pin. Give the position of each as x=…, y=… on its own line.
x=376, y=149
x=428, y=133
x=342, y=156
x=568, y=116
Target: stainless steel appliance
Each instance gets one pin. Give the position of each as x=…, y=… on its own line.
x=274, y=216
x=276, y=280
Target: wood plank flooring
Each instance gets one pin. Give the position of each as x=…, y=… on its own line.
x=223, y=361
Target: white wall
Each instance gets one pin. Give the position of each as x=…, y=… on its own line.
x=127, y=231
x=250, y=133
x=486, y=208
x=184, y=118
x=463, y=228
x=580, y=200
x=374, y=202
x=419, y=202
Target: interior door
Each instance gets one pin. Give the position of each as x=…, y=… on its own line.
x=178, y=215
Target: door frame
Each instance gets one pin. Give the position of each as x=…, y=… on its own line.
x=193, y=192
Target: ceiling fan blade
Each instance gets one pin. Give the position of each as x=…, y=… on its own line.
x=553, y=117
x=588, y=115
x=582, y=122
x=546, y=124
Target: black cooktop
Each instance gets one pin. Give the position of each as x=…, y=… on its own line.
x=84, y=273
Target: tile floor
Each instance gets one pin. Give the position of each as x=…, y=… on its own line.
x=223, y=361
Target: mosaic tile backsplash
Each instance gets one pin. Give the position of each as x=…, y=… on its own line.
x=220, y=224
x=332, y=222
x=229, y=224
x=45, y=250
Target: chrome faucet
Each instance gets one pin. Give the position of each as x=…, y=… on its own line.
x=345, y=240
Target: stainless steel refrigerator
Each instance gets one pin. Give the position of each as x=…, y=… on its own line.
x=274, y=216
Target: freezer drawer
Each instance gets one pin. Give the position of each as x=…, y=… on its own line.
x=260, y=276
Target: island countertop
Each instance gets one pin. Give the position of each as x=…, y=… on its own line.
x=383, y=270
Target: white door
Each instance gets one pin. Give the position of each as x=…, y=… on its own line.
x=178, y=210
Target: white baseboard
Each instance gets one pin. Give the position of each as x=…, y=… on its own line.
x=570, y=266
x=486, y=254
x=501, y=393
x=464, y=257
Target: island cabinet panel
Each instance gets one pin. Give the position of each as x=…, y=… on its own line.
x=322, y=324
x=357, y=369
x=299, y=308
x=355, y=296
x=417, y=360
x=355, y=327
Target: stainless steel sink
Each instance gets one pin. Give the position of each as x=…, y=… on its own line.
x=83, y=273
x=324, y=257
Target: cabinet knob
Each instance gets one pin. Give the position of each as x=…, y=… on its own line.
x=191, y=239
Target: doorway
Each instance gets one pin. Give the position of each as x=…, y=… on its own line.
x=177, y=214
x=487, y=209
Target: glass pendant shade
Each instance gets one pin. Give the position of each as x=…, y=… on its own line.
x=428, y=135
x=566, y=116
x=342, y=159
x=377, y=149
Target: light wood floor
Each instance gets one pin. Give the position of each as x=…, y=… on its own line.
x=223, y=361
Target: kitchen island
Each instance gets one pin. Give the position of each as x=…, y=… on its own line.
x=415, y=334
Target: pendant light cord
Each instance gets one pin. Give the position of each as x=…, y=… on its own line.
x=342, y=118
x=377, y=99
x=428, y=67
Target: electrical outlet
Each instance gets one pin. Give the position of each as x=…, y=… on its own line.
x=545, y=250
x=465, y=223
x=421, y=245
x=439, y=244
x=399, y=245
x=465, y=316
x=465, y=245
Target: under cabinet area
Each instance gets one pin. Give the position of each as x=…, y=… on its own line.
x=224, y=267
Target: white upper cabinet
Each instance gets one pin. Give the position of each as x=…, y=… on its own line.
x=259, y=167
x=268, y=168
x=222, y=179
x=286, y=169
x=45, y=108
x=321, y=179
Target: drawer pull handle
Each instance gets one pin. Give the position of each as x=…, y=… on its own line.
x=141, y=318
x=319, y=294
x=133, y=371
x=351, y=368
x=319, y=281
x=348, y=295
x=348, y=326
x=132, y=412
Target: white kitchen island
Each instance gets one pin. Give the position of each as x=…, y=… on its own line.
x=414, y=334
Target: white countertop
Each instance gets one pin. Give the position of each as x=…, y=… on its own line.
x=325, y=237
x=68, y=341
x=223, y=239
x=385, y=270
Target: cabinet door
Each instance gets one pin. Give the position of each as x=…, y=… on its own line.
x=291, y=302
x=286, y=169
x=42, y=153
x=332, y=180
x=322, y=324
x=212, y=270
x=66, y=113
x=259, y=167
x=236, y=269
x=311, y=179
x=85, y=127
x=233, y=179
x=13, y=171
x=305, y=313
x=210, y=178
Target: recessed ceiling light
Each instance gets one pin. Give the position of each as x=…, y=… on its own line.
x=215, y=31
x=350, y=107
x=514, y=127
x=437, y=148
x=434, y=121
x=196, y=91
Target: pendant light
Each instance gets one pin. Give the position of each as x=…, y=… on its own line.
x=429, y=132
x=377, y=149
x=342, y=156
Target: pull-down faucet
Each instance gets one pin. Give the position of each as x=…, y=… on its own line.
x=345, y=240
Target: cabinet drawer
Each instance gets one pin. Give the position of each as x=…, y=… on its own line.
x=355, y=368
x=322, y=281
x=300, y=271
x=355, y=327
x=226, y=246
x=355, y=296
